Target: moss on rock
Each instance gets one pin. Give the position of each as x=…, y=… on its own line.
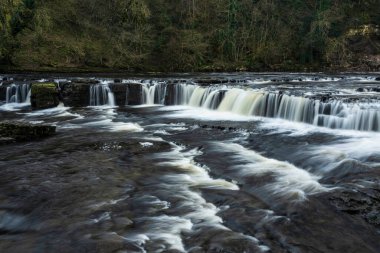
x=21, y=131
x=44, y=95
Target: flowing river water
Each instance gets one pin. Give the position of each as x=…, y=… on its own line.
x=255, y=163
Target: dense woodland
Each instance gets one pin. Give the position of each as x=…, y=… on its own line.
x=189, y=35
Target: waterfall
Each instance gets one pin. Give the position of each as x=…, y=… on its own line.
x=153, y=93
x=101, y=94
x=18, y=93
x=183, y=93
x=331, y=114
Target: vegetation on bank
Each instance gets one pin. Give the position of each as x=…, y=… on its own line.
x=189, y=35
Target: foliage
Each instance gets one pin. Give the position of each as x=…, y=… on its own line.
x=186, y=35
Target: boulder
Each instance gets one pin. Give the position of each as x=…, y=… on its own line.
x=3, y=93
x=44, y=95
x=170, y=94
x=134, y=94
x=21, y=131
x=119, y=90
x=74, y=94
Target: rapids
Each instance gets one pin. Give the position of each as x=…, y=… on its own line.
x=205, y=163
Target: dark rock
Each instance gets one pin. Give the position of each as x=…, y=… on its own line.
x=85, y=81
x=134, y=94
x=22, y=131
x=75, y=94
x=121, y=222
x=120, y=91
x=373, y=217
x=347, y=169
x=44, y=95
x=212, y=81
x=377, y=89
x=360, y=89
x=377, y=78
x=6, y=140
x=8, y=82
x=170, y=94
x=117, y=80
x=3, y=93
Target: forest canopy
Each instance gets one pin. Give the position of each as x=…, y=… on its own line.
x=189, y=35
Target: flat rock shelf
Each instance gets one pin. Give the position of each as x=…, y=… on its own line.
x=197, y=163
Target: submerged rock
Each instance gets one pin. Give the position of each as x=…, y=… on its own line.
x=44, y=95
x=22, y=131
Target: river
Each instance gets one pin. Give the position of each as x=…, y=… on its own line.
x=247, y=162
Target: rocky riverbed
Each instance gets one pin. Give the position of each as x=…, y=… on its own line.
x=185, y=178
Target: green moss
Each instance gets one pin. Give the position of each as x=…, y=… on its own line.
x=43, y=87
x=23, y=131
x=44, y=95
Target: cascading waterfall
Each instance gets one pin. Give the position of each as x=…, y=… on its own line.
x=331, y=114
x=18, y=93
x=101, y=94
x=153, y=93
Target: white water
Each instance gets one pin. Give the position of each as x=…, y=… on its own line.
x=18, y=93
x=194, y=214
x=359, y=115
x=288, y=182
x=101, y=94
x=153, y=93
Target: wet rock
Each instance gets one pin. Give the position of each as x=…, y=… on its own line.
x=44, y=95
x=3, y=93
x=134, y=94
x=119, y=90
x=109, y=242
x=21, y=131
x=6, y=140
x=360, y=89
x=13, y=223
x=346, y=170
x=170, y=94
x=377, y=89
x=133, y=146
x=75, y=94
x=117, y=80
x=377, y=78
x=85, y=81
x=363, y=202
x=212, y=81
x=7, y=82
x=373, y=217
x=121, y=222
